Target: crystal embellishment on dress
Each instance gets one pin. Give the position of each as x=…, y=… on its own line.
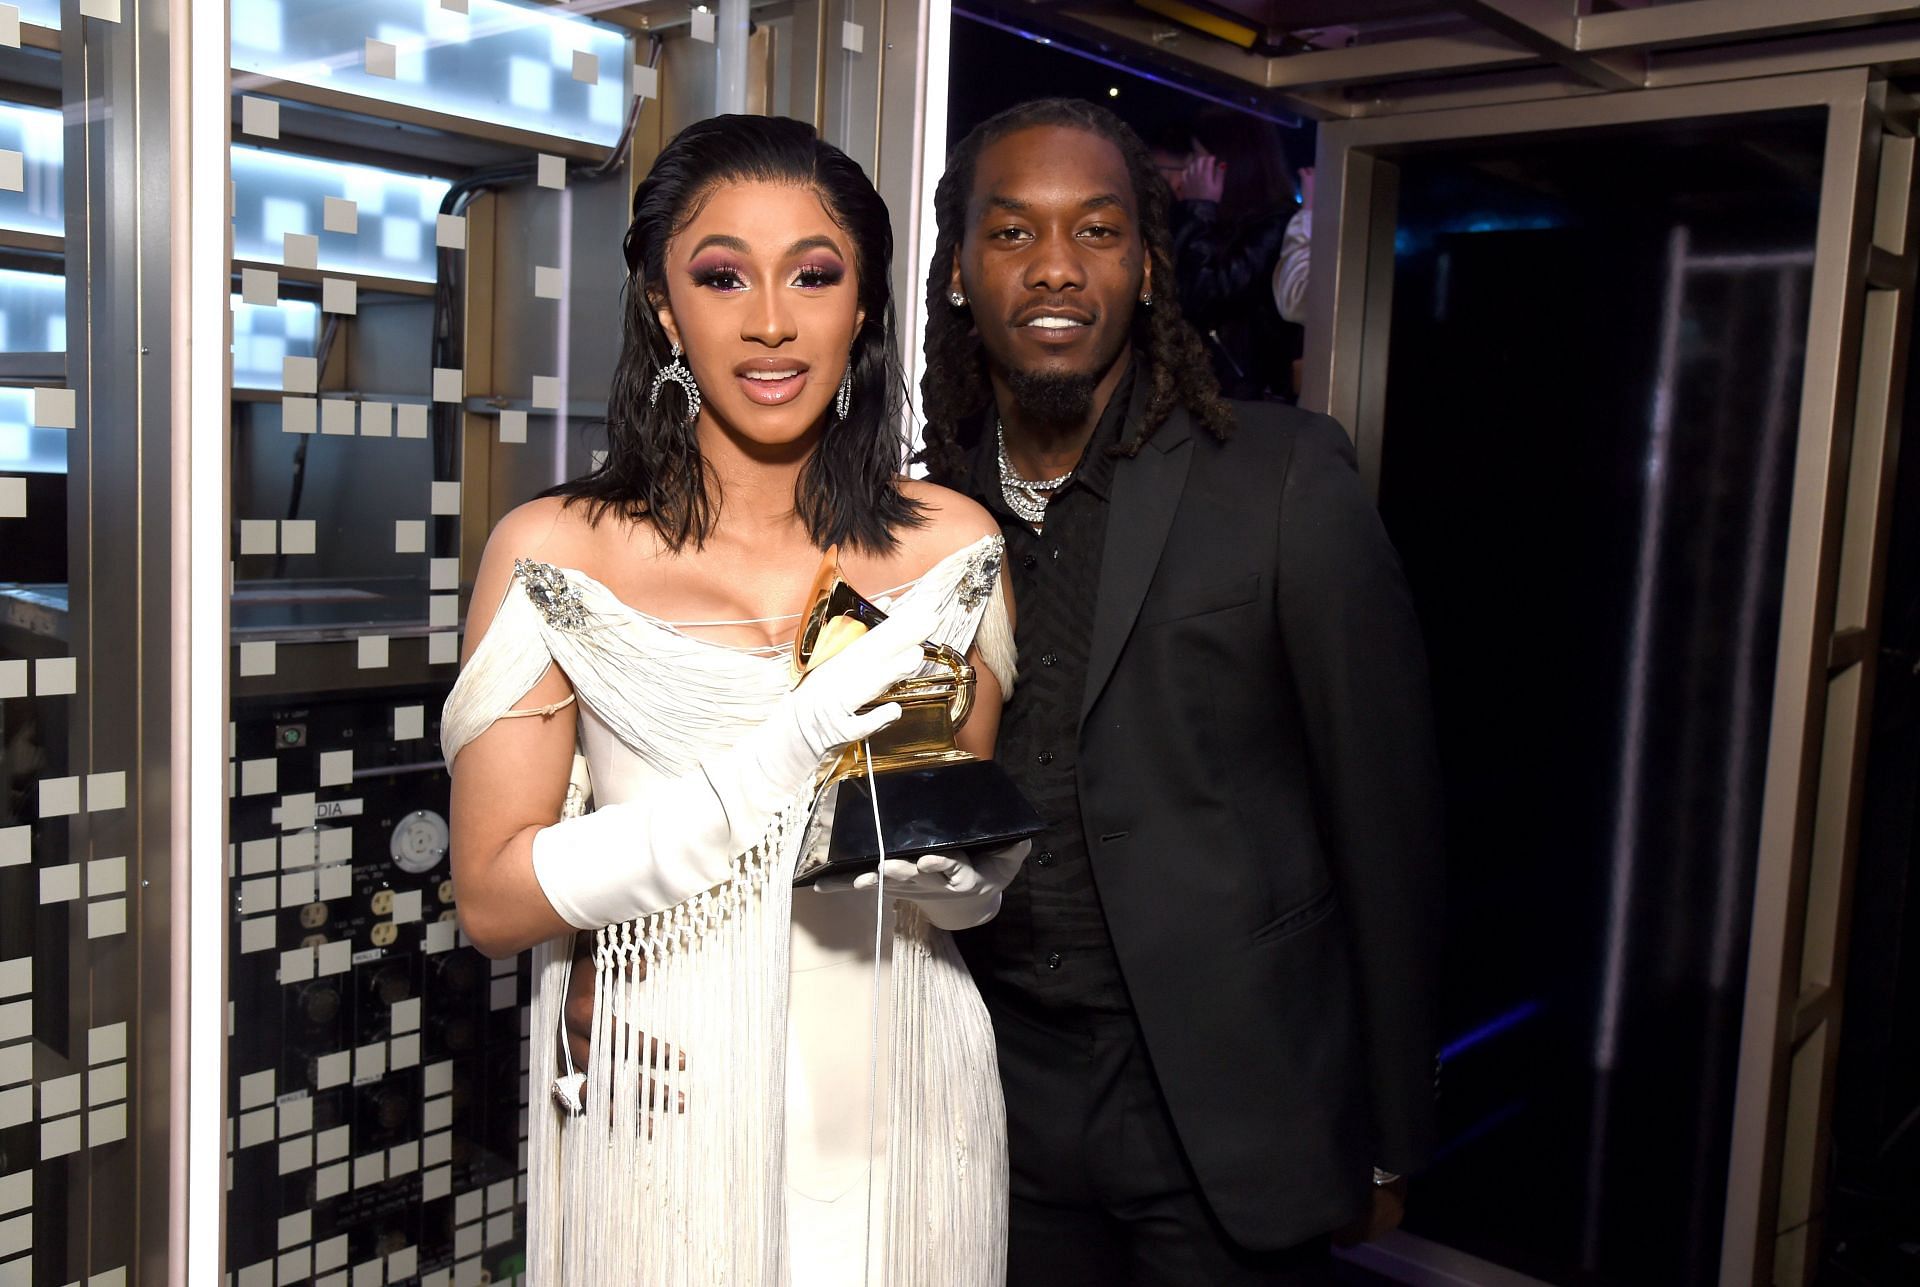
x=547, y=586
x=977, y=582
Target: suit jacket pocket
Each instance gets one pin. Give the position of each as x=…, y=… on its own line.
x=1198, y=601
x=1302, y=917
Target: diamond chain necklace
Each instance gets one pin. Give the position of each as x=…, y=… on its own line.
x=1025, y=497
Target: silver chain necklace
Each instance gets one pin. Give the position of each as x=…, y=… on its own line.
x=1027, y=498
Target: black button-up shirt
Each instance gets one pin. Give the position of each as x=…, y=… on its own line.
x=1050, y=945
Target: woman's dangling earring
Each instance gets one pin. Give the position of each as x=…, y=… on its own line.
x=843, y=400
x=677, y=372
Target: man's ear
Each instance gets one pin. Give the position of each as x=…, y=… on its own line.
x=1146, y=277
x=953, y=278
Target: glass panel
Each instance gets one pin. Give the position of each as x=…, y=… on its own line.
x=33, y=312
x=1872, y=1222
x=376, y=1062
x=24, y=448
x=507, y=64
x=34, y=132
x=263, y=338
x=281, y=193
x=1589, y=436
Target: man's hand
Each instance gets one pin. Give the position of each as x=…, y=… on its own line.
x=1389, y=1209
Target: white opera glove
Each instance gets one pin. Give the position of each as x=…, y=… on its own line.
x=955, y=890
x=678, y=838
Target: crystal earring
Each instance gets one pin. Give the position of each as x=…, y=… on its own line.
x=677, y=372
x=956, y=299
x=843, y=400
x=1147, y=299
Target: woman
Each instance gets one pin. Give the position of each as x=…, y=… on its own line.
x=777, y=1086
x=1234, y=198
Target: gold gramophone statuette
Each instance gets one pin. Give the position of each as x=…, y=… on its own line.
x=932, y=707
x=931, y=794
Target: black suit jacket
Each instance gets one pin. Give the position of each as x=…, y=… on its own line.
x=1260, y=793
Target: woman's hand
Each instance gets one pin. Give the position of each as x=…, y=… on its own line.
x=578, y=1011
x=955, y=890
x=1204, y=179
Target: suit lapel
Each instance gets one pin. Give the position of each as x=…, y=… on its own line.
x=1145, y=496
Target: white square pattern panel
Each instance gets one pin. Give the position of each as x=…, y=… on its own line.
x=376, y=1087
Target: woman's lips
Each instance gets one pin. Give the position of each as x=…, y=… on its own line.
x=783, y=387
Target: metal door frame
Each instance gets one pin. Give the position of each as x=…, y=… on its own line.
x=201, y=256
x=1848, y=429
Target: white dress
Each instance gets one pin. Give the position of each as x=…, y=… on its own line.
x=803, y=1142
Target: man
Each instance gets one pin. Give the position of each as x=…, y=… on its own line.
x=1212, y=985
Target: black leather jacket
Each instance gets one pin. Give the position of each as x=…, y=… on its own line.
x=1226, y=290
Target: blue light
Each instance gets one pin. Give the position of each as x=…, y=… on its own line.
x=34, y=132
x=276, y=193
x=503, y=63
x=41, y=13
x=1290, y=122
x=33, y=312
x=1417, y=240
x=23, y=448
x=1490, y=1029
x=1479, y=1130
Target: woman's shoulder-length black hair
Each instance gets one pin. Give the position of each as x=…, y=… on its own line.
x=849, y=490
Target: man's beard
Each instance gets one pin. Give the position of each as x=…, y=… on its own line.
x=1051, y=398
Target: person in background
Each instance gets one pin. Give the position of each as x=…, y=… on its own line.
x=1234, y=198
x=1171, y=143
x=1290, y=274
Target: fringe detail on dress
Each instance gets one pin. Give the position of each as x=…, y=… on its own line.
x=946, y=1133
x=994, y=641
x=675, y=1176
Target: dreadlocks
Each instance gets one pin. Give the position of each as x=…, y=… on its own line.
x=1168, y=351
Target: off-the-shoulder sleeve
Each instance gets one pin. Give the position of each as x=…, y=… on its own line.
x=510, y=660
x=974, y=612
x=994, y=642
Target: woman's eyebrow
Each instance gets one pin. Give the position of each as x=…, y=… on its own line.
x=739, y=247
x=805, y=244
x=734, y=244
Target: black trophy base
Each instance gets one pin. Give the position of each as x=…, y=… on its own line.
x=970, y=804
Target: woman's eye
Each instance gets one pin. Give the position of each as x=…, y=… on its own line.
x=813, y=278
x=724, y=279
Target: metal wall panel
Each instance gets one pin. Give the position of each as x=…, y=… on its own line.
x=85, y=655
